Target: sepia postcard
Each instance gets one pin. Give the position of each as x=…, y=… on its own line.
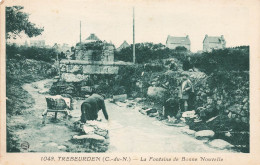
x=130, y=82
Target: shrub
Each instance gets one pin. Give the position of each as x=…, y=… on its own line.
x=40, y=54
x=229, y=59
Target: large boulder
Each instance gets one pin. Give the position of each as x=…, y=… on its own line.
x=156, y=92
x=220, y=144
x=204, y=134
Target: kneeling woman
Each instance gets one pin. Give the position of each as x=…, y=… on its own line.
x=91, y=106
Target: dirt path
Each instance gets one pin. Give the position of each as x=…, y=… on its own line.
x=130, y=131
x=133, y=132
x=54, y=136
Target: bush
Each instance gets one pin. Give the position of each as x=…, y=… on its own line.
x=229, y=59
x=23, y=52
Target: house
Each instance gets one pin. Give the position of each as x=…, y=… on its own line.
x=213, y=42
x=123, y=45
x=173, y=42
x=91, y=38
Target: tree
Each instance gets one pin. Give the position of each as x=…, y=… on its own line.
x=180, y=48
x=144, y=52
x=17, y=21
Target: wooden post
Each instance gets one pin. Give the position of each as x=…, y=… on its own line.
x=133, y=35
x=58, y=61
x=80, y=32
x=56, y=115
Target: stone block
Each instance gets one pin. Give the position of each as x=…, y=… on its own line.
x=204, y=134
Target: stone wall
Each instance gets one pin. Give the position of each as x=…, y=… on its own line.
x=95, y=52
x=85, y=55
x=75, y=70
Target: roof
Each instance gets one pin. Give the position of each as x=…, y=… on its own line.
x=123, y=45
x=93, y=37
x=178, y=40
x=214, y=39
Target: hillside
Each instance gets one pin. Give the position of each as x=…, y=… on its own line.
x=19, y=72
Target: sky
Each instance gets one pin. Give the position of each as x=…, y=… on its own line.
x=154, y=20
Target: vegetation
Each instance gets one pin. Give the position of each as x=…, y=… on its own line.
x=23, y=52
x=226, y=83
x=17, y=21
x=229, y=59
x=227, y=76
x=20, y=70
x=147, y=52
